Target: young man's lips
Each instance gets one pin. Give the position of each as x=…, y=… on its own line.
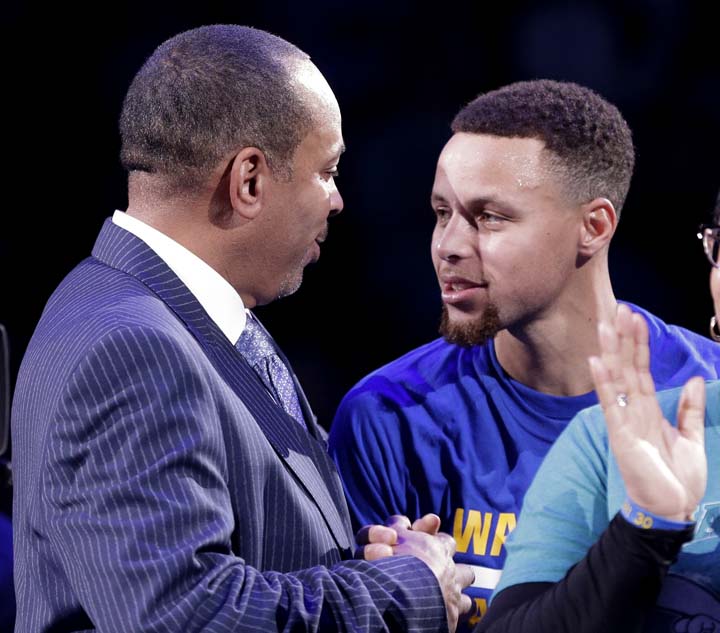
x=457, y=291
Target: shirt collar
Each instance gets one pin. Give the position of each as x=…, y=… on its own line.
x=218, y=298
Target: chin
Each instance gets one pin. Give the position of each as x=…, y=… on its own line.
x=470, y=332
x=291, y=284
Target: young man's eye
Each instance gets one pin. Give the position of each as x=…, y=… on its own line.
x=489, y=218
x=441, y=213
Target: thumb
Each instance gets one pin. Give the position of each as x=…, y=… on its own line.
x=429, y=523
x=691, y=411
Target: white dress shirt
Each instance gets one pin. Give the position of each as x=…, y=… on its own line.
x=219, y=299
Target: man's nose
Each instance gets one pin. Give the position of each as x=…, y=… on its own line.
x=457, y=239
x=336, y=202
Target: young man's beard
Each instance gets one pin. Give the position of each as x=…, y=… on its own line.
x=473, y=333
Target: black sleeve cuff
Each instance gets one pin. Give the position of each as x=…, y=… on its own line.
x=610, y=589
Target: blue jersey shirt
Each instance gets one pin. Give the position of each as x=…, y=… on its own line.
x=444, y=429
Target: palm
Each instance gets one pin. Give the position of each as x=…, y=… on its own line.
x=664, y=468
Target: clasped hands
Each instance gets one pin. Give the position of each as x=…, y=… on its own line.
x=422, y=539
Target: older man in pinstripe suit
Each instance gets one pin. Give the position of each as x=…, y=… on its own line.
x=162, y=482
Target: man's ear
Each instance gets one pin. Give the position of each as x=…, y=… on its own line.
x=599, y=222
x=249, y=178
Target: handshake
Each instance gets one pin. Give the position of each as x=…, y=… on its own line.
x=422, y=539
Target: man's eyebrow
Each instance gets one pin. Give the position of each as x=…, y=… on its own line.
x=436, y=197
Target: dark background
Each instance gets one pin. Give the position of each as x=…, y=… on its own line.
x=400, y=73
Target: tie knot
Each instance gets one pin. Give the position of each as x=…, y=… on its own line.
x=254, y=344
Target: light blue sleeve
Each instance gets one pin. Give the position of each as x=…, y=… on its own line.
x=565, y=508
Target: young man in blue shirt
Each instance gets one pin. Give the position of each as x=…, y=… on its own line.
x=527, y=196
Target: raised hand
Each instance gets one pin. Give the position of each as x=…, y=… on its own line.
x=664, y=468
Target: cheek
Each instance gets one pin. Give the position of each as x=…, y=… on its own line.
x=315, y=203
x=507, y=254
x=434, y=241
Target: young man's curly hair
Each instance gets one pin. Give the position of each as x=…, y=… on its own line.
x=589, y=143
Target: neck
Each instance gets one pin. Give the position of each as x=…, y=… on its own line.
x=550, y=353
x=186, y=217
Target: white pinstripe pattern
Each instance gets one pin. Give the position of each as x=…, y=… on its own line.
x=156, y=484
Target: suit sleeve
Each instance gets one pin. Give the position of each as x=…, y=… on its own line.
x=366, y=444
x=138, y=511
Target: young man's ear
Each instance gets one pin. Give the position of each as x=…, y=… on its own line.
x=249, y=176
x=599, y=222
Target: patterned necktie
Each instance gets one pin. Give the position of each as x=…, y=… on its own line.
x=257, y=348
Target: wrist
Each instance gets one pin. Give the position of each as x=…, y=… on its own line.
x=646, y=520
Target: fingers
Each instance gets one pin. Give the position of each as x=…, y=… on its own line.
x=398, y=521
x=609, y=348
x=691, y=411
x=640, y=336
x=641, y=361
x=607, y=393
x=379, y=540
x=436, y=549
x=625, y=355
x=625, y=329
x=617, y=344
x=466, y=605
x=465, y=575
x=604, y=385
x=631, y=381
x=619, y=341
x=430, y=524
x=376, y=534
x=448, y=542
x=374, y=551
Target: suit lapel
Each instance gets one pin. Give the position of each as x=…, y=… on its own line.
x=322, y=459
x=304, y=455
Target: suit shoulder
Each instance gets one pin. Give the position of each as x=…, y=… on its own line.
x=97, y=308
x=101, y=298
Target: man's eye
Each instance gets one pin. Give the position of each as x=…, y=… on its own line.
x=334, y=173
x=442, y=213
x=489, y=218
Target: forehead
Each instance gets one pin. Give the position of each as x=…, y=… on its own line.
x=310, y=81
x=324, y=140
x=482, y=160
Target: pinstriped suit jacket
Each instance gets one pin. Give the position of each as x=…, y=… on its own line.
x=159, y=488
